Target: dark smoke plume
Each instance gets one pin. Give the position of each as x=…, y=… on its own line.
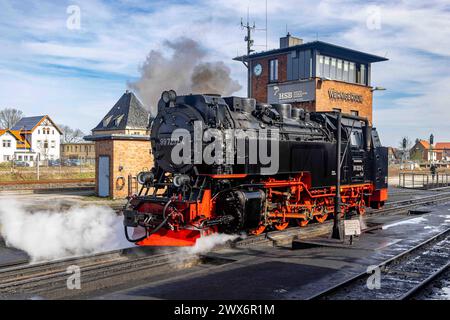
x=184, y=71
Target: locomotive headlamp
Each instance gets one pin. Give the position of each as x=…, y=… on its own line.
x=165, y=96
x=145, y=178
x=169, y=96
x=172, y=95
x=181, y=180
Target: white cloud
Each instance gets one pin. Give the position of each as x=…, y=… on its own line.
x=115, y=38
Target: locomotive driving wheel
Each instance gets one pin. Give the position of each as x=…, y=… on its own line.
x=257, y=231
x=361, y=207
x=303, y=222
x=281, y=223
x=320, y=213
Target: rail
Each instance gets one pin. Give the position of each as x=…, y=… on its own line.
x=413, y=180
x=52, y=181
x=24, y=278
x=432, y=252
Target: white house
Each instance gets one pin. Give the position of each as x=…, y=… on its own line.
x=41, y=136
x=8, y=145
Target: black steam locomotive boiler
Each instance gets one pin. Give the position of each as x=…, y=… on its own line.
x=231, y=165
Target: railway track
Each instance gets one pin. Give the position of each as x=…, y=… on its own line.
x=41, y=182
x=52, y=276
x=401, y=277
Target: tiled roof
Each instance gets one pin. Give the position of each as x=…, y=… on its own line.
x=127, y=113
x=442, y=145
x=425, y=144
x=22, y=143
x=27, y=123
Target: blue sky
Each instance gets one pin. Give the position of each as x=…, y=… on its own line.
x=76, y=76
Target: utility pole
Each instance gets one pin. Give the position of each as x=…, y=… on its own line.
x=250, y=43
x=337, y=198
x=404, y=146
x=38, y=158
x=431, y=148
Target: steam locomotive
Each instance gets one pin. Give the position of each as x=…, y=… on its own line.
x=228, y=164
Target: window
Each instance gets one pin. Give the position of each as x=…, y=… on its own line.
x=340, y=65
x=337, y=109
x=6, y=143
x=326, y=67
x=273, y=70
x=352, y=72
x=333, y=68
x=53, y=131
x=39, y=131
x=53, y=144
x=345, y=74
x=45, y=144
x=20, y=158
x=354, y=112
x=319, y=67
x=362, y=75
x=25, y=158
x=6, y=158
x=341, y=70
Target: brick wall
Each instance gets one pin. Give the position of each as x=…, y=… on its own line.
x=324, y=103
x=259, y=84
x=126, y=157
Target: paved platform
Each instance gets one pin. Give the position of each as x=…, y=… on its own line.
x=261, y=272
x=284, y=273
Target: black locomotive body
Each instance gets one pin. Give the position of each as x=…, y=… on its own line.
x=273, y=164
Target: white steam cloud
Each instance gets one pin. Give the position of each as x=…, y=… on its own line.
x=186, y=71
x=206, y=244
x=49, y=235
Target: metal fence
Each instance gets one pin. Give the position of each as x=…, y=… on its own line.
x=47, y=169
x=423, y=180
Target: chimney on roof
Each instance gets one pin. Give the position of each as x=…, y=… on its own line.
x=289, y=41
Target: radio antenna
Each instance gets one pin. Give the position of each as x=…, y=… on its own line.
x=250, y=42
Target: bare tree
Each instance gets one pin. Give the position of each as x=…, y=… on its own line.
x=71, y=135
x=405, y=144
x=9, y=117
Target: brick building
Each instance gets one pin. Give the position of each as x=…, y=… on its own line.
x=315, y=76
x=122, y=147
x=78, y=150
x=422, y=151
x=443, y=151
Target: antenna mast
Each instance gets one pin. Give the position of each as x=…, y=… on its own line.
x=250, y=43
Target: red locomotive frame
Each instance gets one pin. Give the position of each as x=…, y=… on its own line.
x=294, y=200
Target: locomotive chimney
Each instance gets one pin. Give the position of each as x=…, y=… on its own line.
x=290, y=41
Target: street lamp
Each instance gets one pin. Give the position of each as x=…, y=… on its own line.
x=378, y=89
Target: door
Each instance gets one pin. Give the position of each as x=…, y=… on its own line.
x=103, y=176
